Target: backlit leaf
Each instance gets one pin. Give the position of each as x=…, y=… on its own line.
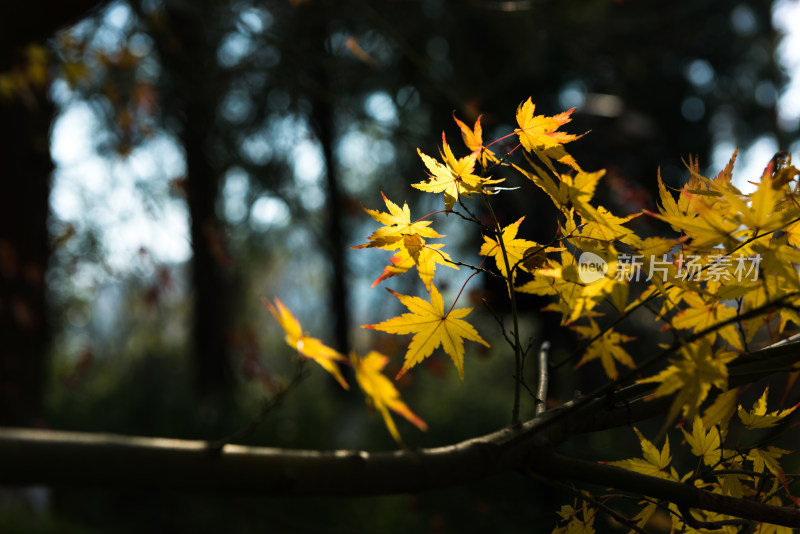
x=380, y=392
x=758, y=416
x=432, y=327
x=311, y=348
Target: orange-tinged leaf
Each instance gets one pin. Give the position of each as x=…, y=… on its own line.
x=416, y=253
x=539, y=134
x=454, y=178
x=540, y=131
x=311, y=348
x=432, y=327
x=381, y=393
x=397, y=223
x=758, y=416
x=473, y=140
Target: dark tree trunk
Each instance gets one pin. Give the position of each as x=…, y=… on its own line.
x=212, y=276
x=322, y=122
x=25, y=167
x=188, y=53
x=334, y=238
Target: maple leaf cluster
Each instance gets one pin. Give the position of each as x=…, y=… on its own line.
x=738, y=472
x=413, y=243
x=723, y=279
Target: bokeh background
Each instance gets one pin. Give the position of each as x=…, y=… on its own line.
x=165, y=164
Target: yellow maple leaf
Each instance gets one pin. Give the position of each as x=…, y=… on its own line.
x=582, y=289
x=539, y=134
x=767, y=459
x=540, y=131
x=701, y=315
x=653, y=462
x=707, y=219
x=568, y=191
x=397, y=223
x=570, y=523
x=454, y=178
x=607, y=348
x=668, y=205
x=705, y=445
x=310, y=347
x=473, y=140
x=762, y=213
x=765, y=209
x=380, y=392
x=432, y=327
x=758, y=416
x=415, y=252
x=691, y=378
x=515, y=248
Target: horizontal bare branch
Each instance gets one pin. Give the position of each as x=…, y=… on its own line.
x=72, y=459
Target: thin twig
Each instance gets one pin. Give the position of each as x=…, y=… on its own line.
x=541, y=393
x=267, y=407
x=468, y=265
x=514, y=313
x=500, y=322
x=471, y=217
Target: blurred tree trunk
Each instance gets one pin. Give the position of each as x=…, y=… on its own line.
x=212, y=276
x=25, y=167
x=188, y=54
x=322, y=122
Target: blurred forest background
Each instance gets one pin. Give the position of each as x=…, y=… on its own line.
x=165, y=164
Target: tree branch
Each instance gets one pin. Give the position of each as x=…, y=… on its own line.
x=72, y=459
x=684, y=495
